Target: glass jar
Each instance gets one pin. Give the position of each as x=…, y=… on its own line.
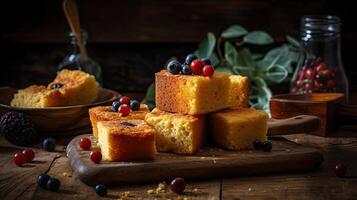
x=73, y=60
x=320, y=68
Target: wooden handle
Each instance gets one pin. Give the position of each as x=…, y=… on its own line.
x=71, y=12
x=297, y=124
x=347, y=114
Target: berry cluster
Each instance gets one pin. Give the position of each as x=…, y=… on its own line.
x=124, y=105
x=265, y=145
x=24, y=156
x=46, y=182
x=315, y=76
x=192, y=65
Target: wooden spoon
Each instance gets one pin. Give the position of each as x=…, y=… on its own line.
x=71, y=12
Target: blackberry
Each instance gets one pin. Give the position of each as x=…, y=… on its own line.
x=18, y=129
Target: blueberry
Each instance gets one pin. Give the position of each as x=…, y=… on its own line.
x=42, y=180
x=257, y=144
x=56, y=86
x=267, y=145
x=174, y=67
x=190, y=58
x=186, y=70
x=49, y=144
x=53, y=184
x=115, y=106
x=206, y=61
x=134, y=105
x=101, y=190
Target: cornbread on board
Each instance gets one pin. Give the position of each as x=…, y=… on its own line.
x=105, y=113
x=76, y=88
x=126, y=140
x=179, y=133
x=237, y=129
x=195, y=95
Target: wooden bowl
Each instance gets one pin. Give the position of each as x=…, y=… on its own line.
x=323, y=105
x=58, y=121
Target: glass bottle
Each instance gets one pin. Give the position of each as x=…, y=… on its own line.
x=73, y=60
x=320, y=68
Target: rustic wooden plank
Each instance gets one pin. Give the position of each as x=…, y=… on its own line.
x=208, y=162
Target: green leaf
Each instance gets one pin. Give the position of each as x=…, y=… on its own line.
x=214, y=59
x=279, y=55
x=245, y=58
x=234, y=32
x=150, y=93
x=244, y=71
x=230, y=54
x=206, y=47
x=294, y=42
x=276, y=73
x=257, y=56
x=225, y=70
x=258, y=38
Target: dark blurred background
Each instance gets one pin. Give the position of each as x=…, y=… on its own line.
x=132, y=39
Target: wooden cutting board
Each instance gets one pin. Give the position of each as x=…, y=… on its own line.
x=285, y=156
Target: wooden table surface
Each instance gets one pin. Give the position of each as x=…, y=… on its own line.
x=20, y=182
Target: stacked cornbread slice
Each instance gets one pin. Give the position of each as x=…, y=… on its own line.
x=187, y=105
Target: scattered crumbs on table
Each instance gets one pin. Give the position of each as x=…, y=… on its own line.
x=181, y=198
x=151, y=191
x=202, y=157
x=195, y=190
x=296, y=140
x=249, y=189
x=125, y=195
x=66, y=174
x=161, y=188
x=214, y=161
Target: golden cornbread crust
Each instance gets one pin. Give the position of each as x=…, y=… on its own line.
x=179, y=133
x=37, y=96
x=78, y=88
x=126, y=140
x=105, y=113
x=195, y=95
x=237, y=129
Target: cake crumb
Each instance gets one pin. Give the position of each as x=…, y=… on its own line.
x=151, y=191
x=195, y=190
x=160, y=188
x=214, y=161
x=249, y=189
x=124, y=195
x=202, y=157
x=66, y=174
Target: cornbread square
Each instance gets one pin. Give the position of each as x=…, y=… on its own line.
x=126, y=140
x=237, y=129
x=37, y=96
x=78, y=87
x=195, y=95
x=105, y=113
x=179, y=133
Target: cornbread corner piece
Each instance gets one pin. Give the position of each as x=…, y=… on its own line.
x=195, y=95
x=77, y=88
x=237, y=129
x=37, y=96
x=126, y=140
x=105, y=113
x=179, y=133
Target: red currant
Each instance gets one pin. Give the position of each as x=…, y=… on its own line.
x=178, y=185
x=330, y=84
x=340, y=170
x=299, y=83
x=124, y=109
x=124, y=100
x=321, y=67
x=29, y=154
x=19, y=158
x=208, y=70
x=310, y=74
x=318, y=85
x=96, y=156
x=85, y=143
x=196, y=66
